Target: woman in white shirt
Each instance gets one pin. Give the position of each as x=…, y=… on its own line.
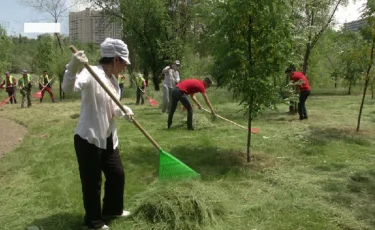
x=95, y=139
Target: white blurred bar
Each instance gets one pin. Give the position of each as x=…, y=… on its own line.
x=41, y=27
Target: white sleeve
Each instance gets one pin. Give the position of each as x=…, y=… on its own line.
x=177, y=77
x=75, y=82
x=117, y=111
x=166, y=69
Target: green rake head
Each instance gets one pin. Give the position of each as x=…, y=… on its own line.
x=170, y=168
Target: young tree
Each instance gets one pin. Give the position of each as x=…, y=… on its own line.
x=250, y=44
x=369, y=35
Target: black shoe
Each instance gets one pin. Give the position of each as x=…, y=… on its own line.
x=305, y=118
x=191, y=128
x=301, y=118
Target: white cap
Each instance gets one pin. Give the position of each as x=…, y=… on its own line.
x=115, y=48
x=177, y=62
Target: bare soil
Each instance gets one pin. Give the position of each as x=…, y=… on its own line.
x=11, y=135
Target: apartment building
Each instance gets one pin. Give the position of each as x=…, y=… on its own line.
x=90, y=25
x=355, y=25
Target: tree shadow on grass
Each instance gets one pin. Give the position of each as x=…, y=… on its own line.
x=212, y=162
x=356, y=195
x=323, y=136
x=60, y=221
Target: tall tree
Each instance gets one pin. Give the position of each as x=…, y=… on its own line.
x=250, y=43
x=5, y=46
x=369, y=35
x=311, y=19
x=45, y=54
x=55, y=8
x=157, y=30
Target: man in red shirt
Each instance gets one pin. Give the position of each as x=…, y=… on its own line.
x=304, y=89
x=189, y=87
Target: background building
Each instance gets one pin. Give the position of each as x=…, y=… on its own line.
x=355, y=25
x=91, y=26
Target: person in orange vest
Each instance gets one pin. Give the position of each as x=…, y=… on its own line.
x=24, y=85
x=44, y=79
x=10, y=84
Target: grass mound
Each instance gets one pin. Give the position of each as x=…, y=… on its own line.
x=185, y=205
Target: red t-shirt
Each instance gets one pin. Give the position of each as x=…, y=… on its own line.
x=191, y=86
x=296, y=76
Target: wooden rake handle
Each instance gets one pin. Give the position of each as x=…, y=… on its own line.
x=88, y=67
x=226, y=119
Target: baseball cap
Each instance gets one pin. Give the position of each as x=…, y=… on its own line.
x=6, y=73
x=177, y=62
x=24, y=71
x=290, y=69
x=114, y=47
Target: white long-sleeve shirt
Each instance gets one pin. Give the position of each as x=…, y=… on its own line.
x=96, y=121
x=171, y=77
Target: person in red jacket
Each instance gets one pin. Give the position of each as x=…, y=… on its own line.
x=189, y=87
x=304, y=89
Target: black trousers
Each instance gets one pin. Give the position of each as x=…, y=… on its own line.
x=92, y=161
x=10, y=93
x=301, y=105
x=178, y=95
x=140, y=95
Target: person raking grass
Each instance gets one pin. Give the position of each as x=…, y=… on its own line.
x=189, y=87
x=95, y=139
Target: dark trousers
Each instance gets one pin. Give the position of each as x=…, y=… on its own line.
x=301, y=105
x=12, y=98
x=121, y=85
x=178, y=95
x=26, y=93
x=92, y=161
x=140, y=96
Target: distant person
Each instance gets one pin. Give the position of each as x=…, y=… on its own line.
x=181, y=92
x=171, y=78
x=121, y=82
x=45, y=85
x=141, y=87
x=303, y=87
x=24, y=85
x=10, y=84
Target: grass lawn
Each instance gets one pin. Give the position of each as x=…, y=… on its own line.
x=314, y=174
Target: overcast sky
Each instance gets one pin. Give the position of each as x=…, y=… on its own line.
x=13, y=15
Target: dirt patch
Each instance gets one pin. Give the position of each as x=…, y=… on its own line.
x=11, y=135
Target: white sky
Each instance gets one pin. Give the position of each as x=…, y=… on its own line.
x=350, y=13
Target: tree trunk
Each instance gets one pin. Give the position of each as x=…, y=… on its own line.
x=250, y=31
x=306, y=58
x=366, y=84
x=155, y=80
x=249, y=132
x=350, y=88
x=335, y=81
